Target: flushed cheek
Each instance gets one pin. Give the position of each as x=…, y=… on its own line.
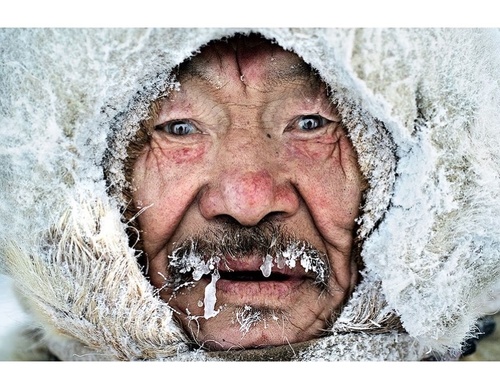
x=181, y=156
x=162, y=162
x=312, y=152
x=166, y=181
x=327, y=175
x=331, y=188
x=164, y=155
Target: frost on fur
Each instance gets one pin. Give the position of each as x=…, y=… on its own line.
x=420, y=107
x=94, y=284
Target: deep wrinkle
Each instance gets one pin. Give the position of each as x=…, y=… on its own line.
x=249, y=172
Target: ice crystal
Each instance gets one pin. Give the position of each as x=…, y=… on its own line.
x=210, y=298
x=267, y=265
x=247, y=317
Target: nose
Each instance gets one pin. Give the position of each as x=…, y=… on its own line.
x=248, y=191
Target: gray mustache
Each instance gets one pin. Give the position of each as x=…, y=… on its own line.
x=267, y=240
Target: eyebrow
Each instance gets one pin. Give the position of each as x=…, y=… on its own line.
x=295, y=72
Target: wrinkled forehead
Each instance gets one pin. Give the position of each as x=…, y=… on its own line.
x=252, y=60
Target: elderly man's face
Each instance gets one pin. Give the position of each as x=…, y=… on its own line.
x=253, y=188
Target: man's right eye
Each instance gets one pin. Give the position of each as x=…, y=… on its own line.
x=177, y=127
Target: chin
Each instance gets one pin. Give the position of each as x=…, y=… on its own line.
x=245, y=327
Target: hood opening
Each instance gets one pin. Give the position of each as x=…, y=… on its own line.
x=131, y=131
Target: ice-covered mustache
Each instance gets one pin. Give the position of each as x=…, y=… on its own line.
x=203, y=254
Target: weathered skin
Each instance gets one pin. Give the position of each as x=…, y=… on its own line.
x=246, y=158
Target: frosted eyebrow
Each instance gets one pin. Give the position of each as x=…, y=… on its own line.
x=295, y=72
x=194, y=69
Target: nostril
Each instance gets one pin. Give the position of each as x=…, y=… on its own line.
x=273, y=216
x=268, y=218
x=226, y=219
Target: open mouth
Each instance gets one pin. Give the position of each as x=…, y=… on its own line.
x=253, y=276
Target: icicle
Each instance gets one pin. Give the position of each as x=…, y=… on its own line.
x=210, y=298
x=267, y=265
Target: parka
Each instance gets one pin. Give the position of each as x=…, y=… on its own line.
x=421, y=107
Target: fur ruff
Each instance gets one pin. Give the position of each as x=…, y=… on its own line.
x=96, y=284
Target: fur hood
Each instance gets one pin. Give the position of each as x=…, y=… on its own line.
x=421, y=108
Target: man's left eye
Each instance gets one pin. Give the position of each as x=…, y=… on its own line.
x=311, y=122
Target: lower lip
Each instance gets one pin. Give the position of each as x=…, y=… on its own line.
x=268, y=289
